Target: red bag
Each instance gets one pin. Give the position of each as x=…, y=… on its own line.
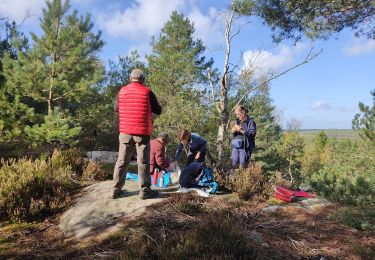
x=283, y=197
x=290, y=195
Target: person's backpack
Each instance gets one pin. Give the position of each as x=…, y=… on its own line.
x=207, y=180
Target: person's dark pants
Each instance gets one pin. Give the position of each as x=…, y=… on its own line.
x=191, y=157
x=129, y=143
x=240, y=158
x=187, y=178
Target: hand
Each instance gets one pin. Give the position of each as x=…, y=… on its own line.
x=198, y=155
x=172, y=167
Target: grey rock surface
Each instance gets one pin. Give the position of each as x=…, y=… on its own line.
x=95, y=212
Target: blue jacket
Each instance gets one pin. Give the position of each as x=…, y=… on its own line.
x=250, y=132
x=197, y=143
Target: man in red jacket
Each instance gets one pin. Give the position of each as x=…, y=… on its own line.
x=135, y=105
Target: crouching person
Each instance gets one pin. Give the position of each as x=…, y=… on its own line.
x=191, y=175
x=158, y=161
x=196, y=144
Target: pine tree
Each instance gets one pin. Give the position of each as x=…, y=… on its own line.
x=268, y=129
x=62, y=66
x=364, y=122
x=14, y=108
x=56, y=130
x=177, y=75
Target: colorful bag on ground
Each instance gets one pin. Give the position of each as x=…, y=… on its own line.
x=291, y=195
x=207, y=181
x=163, y=179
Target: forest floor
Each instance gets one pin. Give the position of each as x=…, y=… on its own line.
x=186, y=226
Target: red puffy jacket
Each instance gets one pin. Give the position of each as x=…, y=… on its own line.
x=134, y=109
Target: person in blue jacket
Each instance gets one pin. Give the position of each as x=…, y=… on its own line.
x=243, y=142
x=191, y=175
x=196, y=144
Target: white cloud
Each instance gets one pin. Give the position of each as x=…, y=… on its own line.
x=264, y=62
x=145, y=18
x=208, y=28
x=17, y=10
x=142, y=19
x=359, y=47
x=321, y=105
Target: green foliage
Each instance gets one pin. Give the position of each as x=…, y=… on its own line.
x=118, y=74
x=55, y=130
x=316, y=19
x=321, y=141
x=316, y=153
x=364, y=123
x=358, y=218
x=177, y=75
x=348, y=175
x=243, y=7
x=62, y=64
x=268, y=130
x=14, y=109
x=290, y=148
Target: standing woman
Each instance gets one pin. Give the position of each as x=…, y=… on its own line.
x=243, y=141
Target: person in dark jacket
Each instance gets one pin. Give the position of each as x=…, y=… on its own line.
x=243, y=142
x=191, y=175
x=196, y=144
x=135, y=104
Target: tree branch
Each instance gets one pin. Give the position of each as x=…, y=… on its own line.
x=60, y=97
x=308, y=58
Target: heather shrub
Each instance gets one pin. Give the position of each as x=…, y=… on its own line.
x=75, y=159
x=92, y=171
x=31, y=189
x=247, y=182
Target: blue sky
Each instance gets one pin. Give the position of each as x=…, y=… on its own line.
x=321, y=94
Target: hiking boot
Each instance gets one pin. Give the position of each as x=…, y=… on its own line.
x=118, y=194
x=148, y=193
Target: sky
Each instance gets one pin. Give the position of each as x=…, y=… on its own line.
x=322, y=94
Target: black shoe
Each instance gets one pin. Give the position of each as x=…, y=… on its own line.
x=147, y=193
x=118, y=194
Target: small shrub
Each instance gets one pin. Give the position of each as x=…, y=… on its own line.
x=75, y=159
x=30, y=189
x=247, y=182
x=93, y=172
